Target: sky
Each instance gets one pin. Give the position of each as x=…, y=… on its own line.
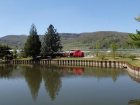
x=68, y=16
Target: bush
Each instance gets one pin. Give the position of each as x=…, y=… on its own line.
x=102, y=56
x=132, y=57
x=14, y=56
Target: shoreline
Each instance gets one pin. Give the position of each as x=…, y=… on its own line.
x=85, y=63
x=94, y=63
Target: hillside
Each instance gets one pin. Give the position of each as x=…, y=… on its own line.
x=14, y=40
x=76, y=41
x=105, y=38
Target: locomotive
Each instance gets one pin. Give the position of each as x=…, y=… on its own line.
x=73, y=53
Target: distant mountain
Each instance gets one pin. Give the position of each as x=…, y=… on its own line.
x=76, y=41
x=14, y=40
x=105, y=38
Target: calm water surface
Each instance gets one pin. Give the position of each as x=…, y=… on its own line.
x=55, y=85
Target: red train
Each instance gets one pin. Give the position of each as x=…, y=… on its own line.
x=78, y=53
x=73, y=53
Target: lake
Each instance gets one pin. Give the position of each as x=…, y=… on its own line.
x=60, y=85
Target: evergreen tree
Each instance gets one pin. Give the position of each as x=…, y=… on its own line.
x=51, y=41
x=135, y=38
x=33, y=44
x=138, y=18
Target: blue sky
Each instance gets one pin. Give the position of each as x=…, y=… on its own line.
x=69, y=16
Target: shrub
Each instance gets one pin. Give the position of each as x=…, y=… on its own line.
x=102, y=56
x=132, y=57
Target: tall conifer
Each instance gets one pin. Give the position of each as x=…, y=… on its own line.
x=135, y=38
x=33, y=44
x=51, y=41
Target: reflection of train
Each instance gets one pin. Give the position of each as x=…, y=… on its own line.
x=74, y=70
x=78, y=71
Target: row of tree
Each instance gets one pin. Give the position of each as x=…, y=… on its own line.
x=51, y=42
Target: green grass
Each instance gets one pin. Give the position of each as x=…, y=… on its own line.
x=95, y=58
x=134, y=62
x=23, y=59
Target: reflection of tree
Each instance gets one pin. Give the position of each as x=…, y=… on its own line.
x=106, y=73
x=114, y=74
x=33, y=78
x=6, y=70
x=52, y=80
x=134, y=102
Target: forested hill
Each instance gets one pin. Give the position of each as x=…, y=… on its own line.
x=76, y=41
x=105, y=38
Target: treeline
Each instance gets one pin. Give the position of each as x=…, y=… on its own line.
x=106, y=38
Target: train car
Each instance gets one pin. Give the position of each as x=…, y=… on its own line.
x=78, y=53
x=73, y=53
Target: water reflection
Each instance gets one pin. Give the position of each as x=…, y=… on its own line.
x=5, y=71
x=78, y=70
x=101, y=73
x=33, y=77
x=135, y=77
x=51, y=77
x=134, y=102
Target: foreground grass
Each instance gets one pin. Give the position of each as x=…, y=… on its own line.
x=23, y=59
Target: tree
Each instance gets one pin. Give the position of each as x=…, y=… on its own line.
x=113, y=49
x=138, y=18
x=134, y=102
x=97, y=48
x=4, y=50
x=33, y=44
x=135, y=38
x=51, y=41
